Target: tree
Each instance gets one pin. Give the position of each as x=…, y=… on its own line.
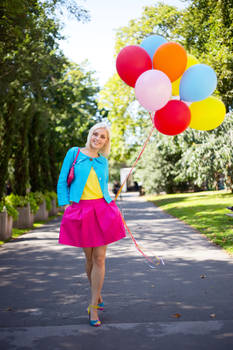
x=32, y=68
x=208, y=157
x=206, y=29
x=128, y=119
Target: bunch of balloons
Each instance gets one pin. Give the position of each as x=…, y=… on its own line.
x=172, y=84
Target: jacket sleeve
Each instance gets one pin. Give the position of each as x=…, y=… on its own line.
x=107, y=172
x=62, y=187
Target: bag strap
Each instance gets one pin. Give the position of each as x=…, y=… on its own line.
x=76, y=157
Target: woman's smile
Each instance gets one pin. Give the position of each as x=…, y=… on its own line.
x=98, y=138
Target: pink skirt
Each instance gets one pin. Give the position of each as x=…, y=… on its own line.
x=91, y=223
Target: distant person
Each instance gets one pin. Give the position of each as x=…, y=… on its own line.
x=136, y=187
x=93, y=220
x=8, y=189
x=116, y=187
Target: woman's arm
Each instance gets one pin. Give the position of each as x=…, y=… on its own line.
x=62, y=187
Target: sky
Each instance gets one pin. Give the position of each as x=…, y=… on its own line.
x=95, y=40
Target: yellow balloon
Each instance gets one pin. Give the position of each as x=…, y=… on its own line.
x=207, y=114
x=175, y=87
x=190, y=62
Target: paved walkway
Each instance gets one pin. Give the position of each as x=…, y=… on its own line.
x=44, y=290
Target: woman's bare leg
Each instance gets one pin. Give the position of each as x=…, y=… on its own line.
x=89, y=265
x=88, y=253
x=97, y=277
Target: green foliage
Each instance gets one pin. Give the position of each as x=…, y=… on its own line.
x=127, y=118
x=11, y=211
x=51, y=194
x=13, y=201
x=193, y=160
x=34, y=206
x=47, y=103
x=39, y=197
x=74, y=100
x=6, y=205
x=17, y=201
x=73, y=9
x=209, y=156
x=48, y=201
x=116, y=98
x=206, y=29
x=159, y=19
x=29, y=60
x=157, y=167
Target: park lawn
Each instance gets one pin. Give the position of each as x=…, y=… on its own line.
x=205, y=211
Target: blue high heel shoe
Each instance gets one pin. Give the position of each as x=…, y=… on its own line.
x=93, y=323
x=100, y=306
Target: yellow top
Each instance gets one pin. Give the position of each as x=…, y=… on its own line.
x=92, y=189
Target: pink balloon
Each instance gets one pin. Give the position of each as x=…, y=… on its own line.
x=153, y=89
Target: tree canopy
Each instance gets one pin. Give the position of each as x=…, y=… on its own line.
x=47, y=102
x=192, y=159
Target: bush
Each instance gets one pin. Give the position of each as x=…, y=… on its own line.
x=13, y=201
x=17, y=201
x=7, y=206
x=22, y=201
x=48, y=200
x=38, y=196
x=33, y=204
x=51, y=194
x=2, y=207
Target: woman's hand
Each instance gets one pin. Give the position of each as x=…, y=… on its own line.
x=66, y=206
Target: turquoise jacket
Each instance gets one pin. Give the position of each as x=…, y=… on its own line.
x=82, y=169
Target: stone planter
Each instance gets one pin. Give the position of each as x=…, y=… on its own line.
x=6, y=222
x=42, y=213
x=25, y=218
x=53, y=211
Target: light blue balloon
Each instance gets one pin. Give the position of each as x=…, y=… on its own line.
x=197, y=83
x=152, y=43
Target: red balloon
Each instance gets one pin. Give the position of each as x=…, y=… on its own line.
x=131, y=62
x=173, y=118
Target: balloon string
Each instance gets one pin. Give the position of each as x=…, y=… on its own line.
x=137, y=246
x=151, y=117
x=144, y=146
x=118, y=193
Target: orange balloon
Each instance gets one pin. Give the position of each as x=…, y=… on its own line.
x=170, y=58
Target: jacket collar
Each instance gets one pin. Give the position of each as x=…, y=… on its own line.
x=100, y=159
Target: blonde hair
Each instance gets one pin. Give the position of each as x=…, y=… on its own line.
x=106, y=149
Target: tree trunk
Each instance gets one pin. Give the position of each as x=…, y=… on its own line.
x=21, y=179
x=33, y=152
x=7, y=144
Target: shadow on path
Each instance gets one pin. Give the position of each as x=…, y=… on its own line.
x=43, y=284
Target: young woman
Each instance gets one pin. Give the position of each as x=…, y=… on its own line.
x=91, y=220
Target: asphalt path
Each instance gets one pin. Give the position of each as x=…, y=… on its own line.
x=185, y=304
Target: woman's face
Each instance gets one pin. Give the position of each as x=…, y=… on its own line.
x=99, y=138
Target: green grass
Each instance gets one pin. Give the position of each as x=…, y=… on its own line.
x=205, y=211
